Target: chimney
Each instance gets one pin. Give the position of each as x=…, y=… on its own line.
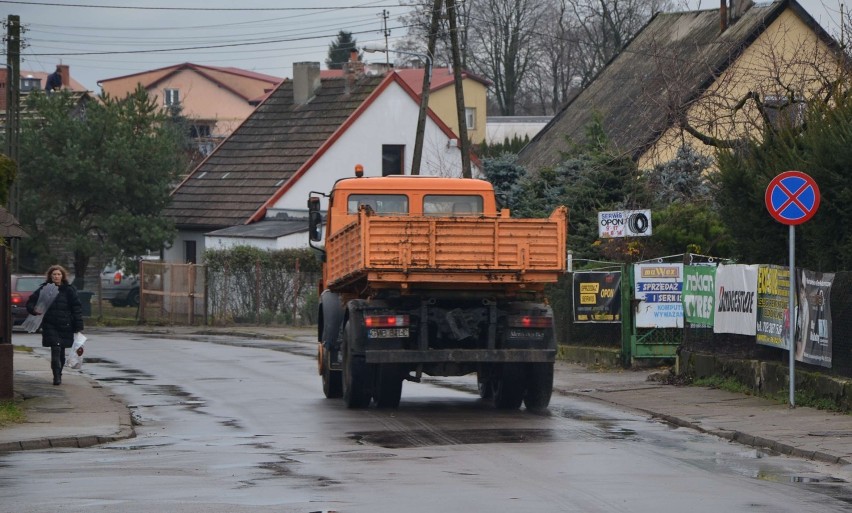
x=65, y=74
x=306, y=81
x=729, y=16
x=354, y=69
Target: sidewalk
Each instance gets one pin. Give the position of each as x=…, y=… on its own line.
x=82, y=413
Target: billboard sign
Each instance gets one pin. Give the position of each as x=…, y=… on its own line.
x=624, y=223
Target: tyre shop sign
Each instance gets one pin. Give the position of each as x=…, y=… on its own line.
x=624, y=223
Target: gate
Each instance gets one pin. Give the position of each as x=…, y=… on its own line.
x=172, y=293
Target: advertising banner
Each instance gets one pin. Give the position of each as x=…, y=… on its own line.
x=624, y=223
x=597, y=296
x=736, y=301
x=813, y=340
x=699, y=294
x=773, y=298
x=658, y=289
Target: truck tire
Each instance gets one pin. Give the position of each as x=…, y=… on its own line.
x=332, y=380
x=509, y=389
x=388, y=386
x=356, y=379
x=539, y=386
x=485, y=386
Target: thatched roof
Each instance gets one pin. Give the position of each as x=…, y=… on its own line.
x=674, y=58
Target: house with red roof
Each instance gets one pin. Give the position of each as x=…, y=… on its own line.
x=442, y=98
x=215, y=99
x=306, y=134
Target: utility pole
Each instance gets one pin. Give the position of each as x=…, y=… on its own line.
x=13, y=112
x=386, y=33
x=424, y=90
x=464, y=144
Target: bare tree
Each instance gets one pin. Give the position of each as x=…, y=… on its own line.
x=418, y=22
x=504, y=46
x=607, y=25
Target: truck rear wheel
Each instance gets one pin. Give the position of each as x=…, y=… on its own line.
x=485, y=386
x=356, y=382
x=388, y=386
x=539, y=386
x=332, y=380
x=509, y=389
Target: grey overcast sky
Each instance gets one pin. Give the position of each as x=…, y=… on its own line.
x=102, y=39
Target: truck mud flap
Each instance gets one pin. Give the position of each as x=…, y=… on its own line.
x=461, y=355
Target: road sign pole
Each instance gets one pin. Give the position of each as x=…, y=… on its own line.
x=791, y=309
x=792, y=198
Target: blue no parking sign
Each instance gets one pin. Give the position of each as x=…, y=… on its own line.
x=792, y=197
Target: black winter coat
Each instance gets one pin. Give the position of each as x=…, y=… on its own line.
x=62, y=319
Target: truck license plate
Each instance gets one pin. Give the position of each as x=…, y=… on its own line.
x=388, y=333
x=527, y=334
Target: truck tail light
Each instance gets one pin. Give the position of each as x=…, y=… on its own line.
x=530, y=321
x=386, y=321
x=116, y=280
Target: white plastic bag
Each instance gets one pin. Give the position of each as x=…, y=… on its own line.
x=45, y=298
x=75, y=359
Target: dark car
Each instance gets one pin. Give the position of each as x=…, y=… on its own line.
x=23, y=285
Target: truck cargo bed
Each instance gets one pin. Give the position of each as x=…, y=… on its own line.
x=395, y=250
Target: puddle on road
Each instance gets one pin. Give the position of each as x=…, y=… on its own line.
x=428, y=438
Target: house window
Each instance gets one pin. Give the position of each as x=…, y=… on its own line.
x=393, y=159
x=171, y=96
x=189, y=254
x=197, y=131
x=470, y=117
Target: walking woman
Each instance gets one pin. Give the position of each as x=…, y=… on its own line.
x=62, y=319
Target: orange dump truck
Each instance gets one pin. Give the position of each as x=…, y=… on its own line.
x=424, y=275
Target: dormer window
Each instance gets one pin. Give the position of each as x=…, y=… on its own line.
x=171, y=97
x=30, y=83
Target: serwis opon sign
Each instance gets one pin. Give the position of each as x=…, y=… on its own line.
x=624, y=223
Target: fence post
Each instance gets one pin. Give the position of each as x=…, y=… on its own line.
x=626, y=314
x=191, y=287
x=296, y=293
x=257, y=291
x=206, y=296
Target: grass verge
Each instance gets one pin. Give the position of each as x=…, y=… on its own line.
x=10, y=413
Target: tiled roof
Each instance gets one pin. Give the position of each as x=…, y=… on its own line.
x=271, y=145
x=441, y=78
x=244, y=83
x=628, y=92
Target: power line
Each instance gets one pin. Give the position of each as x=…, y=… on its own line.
x=203, y=47
x=202, y=9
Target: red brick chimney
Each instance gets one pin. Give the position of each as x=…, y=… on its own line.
x=65, y=74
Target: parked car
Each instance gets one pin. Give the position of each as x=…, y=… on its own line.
x=23, y=286
x=118, y=287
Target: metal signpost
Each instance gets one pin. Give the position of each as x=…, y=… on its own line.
x=792, y=198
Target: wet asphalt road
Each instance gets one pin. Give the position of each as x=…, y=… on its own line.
x=232, y=425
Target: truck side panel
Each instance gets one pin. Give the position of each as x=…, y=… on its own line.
x=479, y=246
